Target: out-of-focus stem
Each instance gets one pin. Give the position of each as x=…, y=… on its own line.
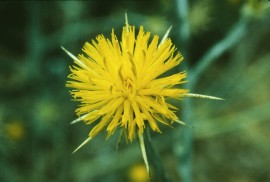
x=182, y=147
x=184, y=152
x=156, y=166
x=34, y=42
x=182, y=7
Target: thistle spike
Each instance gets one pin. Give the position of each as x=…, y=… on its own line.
x=126, y=18
x=74, y=58
x=180, y=122
x=202, y=96
x=78, y=119
x=165, y=35
x=85, y=142
x=142, y=145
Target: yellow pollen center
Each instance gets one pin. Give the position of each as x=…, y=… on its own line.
x=129, y=89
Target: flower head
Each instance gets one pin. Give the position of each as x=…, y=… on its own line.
x=121, y=83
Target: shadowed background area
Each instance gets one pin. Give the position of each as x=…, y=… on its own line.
x=230, y=139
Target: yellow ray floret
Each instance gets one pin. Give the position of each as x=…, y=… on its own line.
x=120, y=84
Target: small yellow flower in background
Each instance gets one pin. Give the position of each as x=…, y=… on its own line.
x=14, y=130
x=137, y=173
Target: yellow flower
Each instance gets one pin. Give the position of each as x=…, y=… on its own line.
x=15, y=130
x=122, y=84
x=137, y=173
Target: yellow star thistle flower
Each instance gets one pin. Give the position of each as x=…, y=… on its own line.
x=122, y=83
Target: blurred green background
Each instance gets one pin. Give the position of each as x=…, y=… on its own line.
x=230, y=138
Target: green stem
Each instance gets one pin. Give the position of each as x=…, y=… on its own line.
x=182, y=145
x=157, y=170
